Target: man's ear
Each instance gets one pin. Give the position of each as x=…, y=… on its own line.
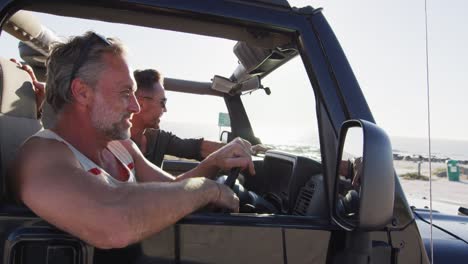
x=82, y=93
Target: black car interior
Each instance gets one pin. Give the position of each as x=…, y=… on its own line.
x=291, y=184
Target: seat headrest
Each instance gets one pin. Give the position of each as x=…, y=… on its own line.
x=17, y=97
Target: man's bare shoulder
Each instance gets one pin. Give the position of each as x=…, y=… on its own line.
x=44, y=150
x=46, y=145
x=38, y=162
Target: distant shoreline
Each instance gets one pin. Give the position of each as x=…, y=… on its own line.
x=442, y=149
x=415, y=158
x=413, y=147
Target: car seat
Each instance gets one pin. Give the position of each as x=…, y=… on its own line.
x=18, y=115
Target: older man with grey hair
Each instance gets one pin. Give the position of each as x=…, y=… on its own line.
x=87, y=177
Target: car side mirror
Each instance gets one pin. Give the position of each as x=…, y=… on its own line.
x=364, y=186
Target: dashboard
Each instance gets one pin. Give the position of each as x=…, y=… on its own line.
x=293, y=183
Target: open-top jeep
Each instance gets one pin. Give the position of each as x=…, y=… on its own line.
x=299, y=207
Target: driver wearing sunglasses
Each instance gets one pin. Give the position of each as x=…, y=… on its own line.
x=154, y=142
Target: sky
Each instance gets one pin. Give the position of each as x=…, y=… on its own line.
x=384, y=42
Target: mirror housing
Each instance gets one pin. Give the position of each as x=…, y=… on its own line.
x=369, y=190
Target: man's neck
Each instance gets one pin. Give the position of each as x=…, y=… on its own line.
x=84, y=138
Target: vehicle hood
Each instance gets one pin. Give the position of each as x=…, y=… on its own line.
x=453, y=225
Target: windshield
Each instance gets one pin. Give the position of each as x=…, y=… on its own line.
x=288, y=118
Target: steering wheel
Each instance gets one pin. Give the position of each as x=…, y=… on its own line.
x=231, y=179
x=250, y=201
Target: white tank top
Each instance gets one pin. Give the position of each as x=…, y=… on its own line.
x=115, y=147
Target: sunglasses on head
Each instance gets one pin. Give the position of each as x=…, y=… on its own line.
x=94, y=39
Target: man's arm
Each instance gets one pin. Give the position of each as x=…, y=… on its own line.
x=188, y=148
x=192, y=148
x=39, y=88
x=207, y=147
x=234, y=154
x=106, y=215
x=146, y=170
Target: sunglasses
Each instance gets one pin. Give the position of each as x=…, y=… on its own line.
x=162, y=102
x=94, y=39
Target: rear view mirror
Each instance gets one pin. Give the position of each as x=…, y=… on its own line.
x=364, y=186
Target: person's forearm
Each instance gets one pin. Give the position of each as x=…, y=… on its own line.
x=235, y=154
x=207, y=168
x=152, y=207
x=104, y=215
x=207, y=147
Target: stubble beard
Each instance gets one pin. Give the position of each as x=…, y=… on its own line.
x=108, y=122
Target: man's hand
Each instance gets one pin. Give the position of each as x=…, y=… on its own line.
x=259, y=149
x=235, y=154
x=226, y=198
x=352, y=169
x=38, y=87
x=357, y=168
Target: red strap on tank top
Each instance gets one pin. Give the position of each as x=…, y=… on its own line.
x=95, y=171
x=124, y=174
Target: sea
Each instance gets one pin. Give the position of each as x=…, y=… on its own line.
x=307, y=145
x=441, y=148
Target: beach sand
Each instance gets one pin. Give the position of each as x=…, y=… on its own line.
x=447, y=196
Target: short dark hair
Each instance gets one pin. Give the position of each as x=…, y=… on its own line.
x=145, y=79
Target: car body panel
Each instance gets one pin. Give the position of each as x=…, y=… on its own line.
x=449, y=234
x=447, y=247
x=453, y=225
